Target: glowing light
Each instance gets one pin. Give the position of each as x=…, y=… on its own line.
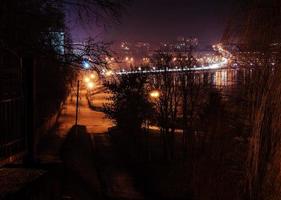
x=213, y=65
x=86, y=64
x=155, y=94
x=109, y=73
x=92, y=76
x=90, y=85
x=87, y=80
x=146, y=60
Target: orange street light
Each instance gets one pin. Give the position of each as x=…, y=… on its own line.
x=155, y=94
x=87, y=80
x=90, y=85
x=92, y=76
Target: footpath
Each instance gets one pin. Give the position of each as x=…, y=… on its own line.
x=76, y=163
x=65, y=169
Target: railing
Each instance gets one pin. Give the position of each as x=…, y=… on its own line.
x=12, y=118
x=12, y=139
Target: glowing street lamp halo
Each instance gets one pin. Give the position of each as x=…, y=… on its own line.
x=87, y=79
x=155, y=94
x=92, y=76
x=86, y=64
x=90, y=85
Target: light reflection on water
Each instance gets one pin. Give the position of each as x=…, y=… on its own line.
x=225, y=78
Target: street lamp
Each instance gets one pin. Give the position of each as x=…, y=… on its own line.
x=86, y=64
x=155, y=94
x=93, y=76
x=87, y=79
x=90, y=85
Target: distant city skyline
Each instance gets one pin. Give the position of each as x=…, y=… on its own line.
x=164, y=20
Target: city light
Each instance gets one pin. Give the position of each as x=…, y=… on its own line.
x=146, y=60
x=109, y=73
x=213, y=65
x=109, y=60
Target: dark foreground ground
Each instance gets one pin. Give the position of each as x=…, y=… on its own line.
x=94, y=167
x=81, y=163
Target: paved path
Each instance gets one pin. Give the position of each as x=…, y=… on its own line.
x=92, y=169
x=95, y=122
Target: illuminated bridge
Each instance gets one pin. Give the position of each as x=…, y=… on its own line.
x=214, y=66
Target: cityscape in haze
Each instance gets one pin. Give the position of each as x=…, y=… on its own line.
x=140, y=99
x=163, y=20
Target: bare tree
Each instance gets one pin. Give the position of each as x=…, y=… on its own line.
x=189, y=90
x=168, y=104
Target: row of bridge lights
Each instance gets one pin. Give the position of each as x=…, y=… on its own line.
x=131, y=60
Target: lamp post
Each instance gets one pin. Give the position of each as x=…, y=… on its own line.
x=90, y=85
x=86, y=64
x=77, y=104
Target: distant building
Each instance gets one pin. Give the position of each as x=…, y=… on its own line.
x=181, y=45
x=58, y=42
x=141, y=49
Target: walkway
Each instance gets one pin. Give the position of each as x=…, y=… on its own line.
x=92, y=169
x=95, y=122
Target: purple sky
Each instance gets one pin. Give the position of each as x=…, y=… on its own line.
x=160, y=20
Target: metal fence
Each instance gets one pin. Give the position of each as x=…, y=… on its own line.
x=12, y=134
x=12, y=140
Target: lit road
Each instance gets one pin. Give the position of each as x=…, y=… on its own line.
x=94, y=121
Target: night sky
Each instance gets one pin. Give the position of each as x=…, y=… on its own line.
x=161, y=20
